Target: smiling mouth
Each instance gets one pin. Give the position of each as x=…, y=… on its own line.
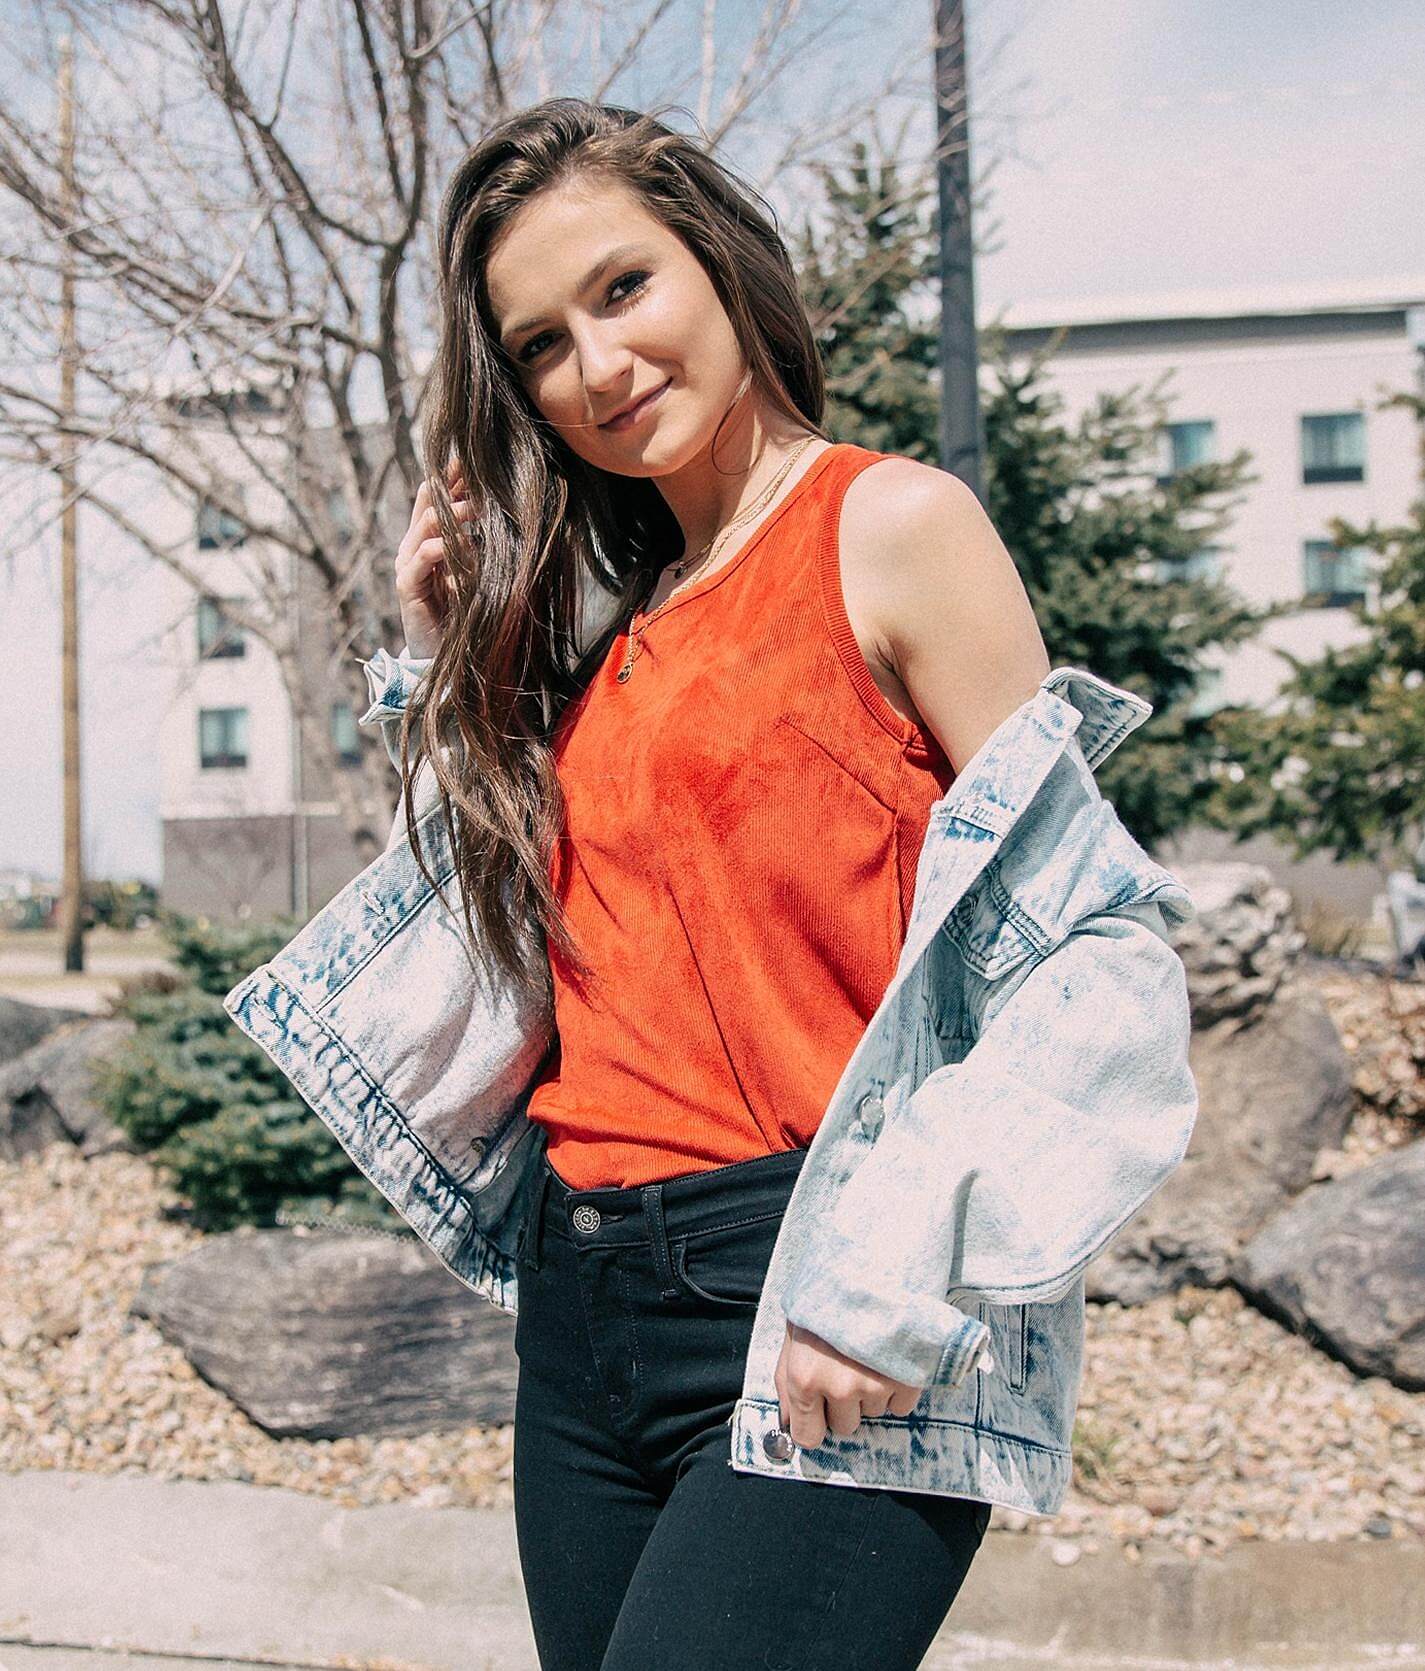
x=625, y=419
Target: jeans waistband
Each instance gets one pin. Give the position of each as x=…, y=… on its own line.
x=714, y=1199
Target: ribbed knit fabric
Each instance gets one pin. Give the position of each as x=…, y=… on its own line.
x=744, y=816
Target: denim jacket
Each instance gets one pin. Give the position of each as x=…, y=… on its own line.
x=1019, y=1094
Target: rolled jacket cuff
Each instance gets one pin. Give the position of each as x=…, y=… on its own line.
x=390, y=683
x=914, y=1338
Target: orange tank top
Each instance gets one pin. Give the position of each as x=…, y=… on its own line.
x=743, y=819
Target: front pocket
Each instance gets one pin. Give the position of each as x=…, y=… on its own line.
x=853, y=770
x=1009, y=1341
x=728, y=1266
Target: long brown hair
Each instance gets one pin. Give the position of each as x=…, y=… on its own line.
x=546, y=525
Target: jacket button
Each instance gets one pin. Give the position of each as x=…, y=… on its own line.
x=778, y=1445
x=586, y=1218
x=870, y=1112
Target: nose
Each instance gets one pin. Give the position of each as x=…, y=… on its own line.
x=604, y=364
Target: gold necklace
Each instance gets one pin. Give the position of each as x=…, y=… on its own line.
x=700, y=559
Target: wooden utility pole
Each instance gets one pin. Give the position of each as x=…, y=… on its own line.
x=71, y=908
x=962, y=442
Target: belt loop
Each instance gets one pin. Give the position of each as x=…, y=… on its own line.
x=658, y=1238
x=534, y=1219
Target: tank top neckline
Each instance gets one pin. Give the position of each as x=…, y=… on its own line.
x=708, y=582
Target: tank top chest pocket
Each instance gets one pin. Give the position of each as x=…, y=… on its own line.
x=817, y=753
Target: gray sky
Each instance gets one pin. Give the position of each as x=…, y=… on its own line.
x=1132, y=146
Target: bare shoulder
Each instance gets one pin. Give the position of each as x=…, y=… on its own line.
x=898, y=509
x=907, y=487
x=940, y=598
x=891, y=510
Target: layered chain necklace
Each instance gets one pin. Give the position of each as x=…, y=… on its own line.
x=703, y=556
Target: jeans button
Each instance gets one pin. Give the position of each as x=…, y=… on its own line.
x=778, y=1445
x=870, y=1112
x=586, y=1218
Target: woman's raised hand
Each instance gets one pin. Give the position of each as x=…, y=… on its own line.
x=422, y=578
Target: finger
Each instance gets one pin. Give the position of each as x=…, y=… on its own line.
x=413, y=571
x=462, y=509
x=807, y=1424
x=844, y=1415
x=903, y=1402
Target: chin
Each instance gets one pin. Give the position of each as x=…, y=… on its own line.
x=659, y=455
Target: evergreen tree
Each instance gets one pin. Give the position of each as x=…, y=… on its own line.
x=869, y=286
x=1338, y=763
x=1105, y=547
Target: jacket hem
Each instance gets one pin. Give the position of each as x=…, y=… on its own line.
x=371, y=1131
x=912, y=1453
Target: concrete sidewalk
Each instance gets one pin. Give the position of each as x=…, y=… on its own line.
x=106, y=1571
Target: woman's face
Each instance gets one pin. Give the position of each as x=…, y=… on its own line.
x=598, y=305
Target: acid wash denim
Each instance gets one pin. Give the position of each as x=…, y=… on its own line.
x=1019, y=1094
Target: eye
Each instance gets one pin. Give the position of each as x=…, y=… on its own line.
x=531, y=348
x=642, y=278
x=528, y=351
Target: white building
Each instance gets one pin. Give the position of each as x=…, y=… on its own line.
x=1295, y=377
x=251, y=825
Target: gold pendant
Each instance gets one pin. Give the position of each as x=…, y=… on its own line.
x=627, y=667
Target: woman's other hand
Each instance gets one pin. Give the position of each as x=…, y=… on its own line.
x=422, y=578
x=819, y=1388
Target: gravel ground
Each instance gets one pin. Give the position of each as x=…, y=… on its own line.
x=1200, y=1422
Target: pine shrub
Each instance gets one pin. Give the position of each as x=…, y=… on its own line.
x=206, y=1104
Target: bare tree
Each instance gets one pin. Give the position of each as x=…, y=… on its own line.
x=254, y=242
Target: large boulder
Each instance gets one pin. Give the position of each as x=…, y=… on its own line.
x=1274, y=1089
x=1241, y=944
x=22, y=1025
x=1344, y=1266
x=325, y=1334
x=47, y=1093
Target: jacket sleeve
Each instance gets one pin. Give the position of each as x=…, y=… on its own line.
x=1002, y=1175
x=390, y=682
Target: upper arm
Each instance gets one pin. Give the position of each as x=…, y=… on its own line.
x=950, y=611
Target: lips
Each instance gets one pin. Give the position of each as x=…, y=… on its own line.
x=626, y=419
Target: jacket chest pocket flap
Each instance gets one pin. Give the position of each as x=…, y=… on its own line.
x=990, y=931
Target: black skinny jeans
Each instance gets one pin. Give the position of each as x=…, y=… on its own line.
x=642, y=1549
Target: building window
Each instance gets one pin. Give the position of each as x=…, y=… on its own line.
x=345, y=740
x=218, y=636
x=217, y=529
x=1187, y=444
x=1334, y=576
x=1203, y=564
x=222, y=737
x=1333, y=448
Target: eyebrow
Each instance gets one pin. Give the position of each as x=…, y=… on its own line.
x=595, y=273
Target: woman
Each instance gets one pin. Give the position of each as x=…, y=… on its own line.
x=715, y=843
x=621, y=320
